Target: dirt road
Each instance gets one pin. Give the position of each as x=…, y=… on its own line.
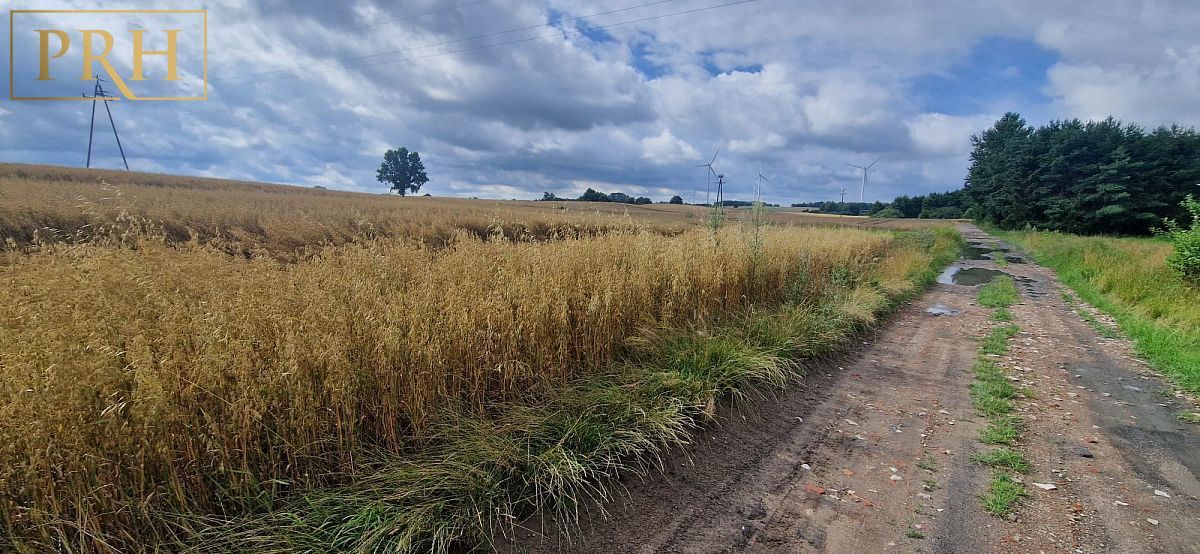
x=873, y=453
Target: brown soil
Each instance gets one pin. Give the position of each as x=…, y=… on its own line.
x=873, y=453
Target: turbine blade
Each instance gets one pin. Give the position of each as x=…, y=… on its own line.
x=874, y=162
x=858, y=166
x=715, y=155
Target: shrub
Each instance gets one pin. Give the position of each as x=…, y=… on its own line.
x=1185, y=259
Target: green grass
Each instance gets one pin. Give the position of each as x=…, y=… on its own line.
x=1104, y=330
x=1002, y=494
x=1189, y=417
x=1004, y=457
x=1128, y=279
x=1001, y=430
x=1000, y=293
x=992, y=394
x=914, y=534
x=996, y=342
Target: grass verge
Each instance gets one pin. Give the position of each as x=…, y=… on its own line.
x=1128, y=279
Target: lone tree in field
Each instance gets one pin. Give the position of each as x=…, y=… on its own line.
x=676, y=199
x=403, y=169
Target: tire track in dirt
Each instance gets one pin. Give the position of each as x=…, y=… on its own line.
x=873, y=452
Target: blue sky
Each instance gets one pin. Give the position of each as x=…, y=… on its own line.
x=998, y=70
x=510, y=98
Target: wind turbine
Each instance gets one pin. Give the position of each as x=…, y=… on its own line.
x=711, y=172
x=758, y=183
x=862, y=195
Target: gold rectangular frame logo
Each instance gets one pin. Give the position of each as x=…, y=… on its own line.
x=11, y=52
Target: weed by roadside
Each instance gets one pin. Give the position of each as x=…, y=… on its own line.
x=927, y=463
x=1002, y=493
x=1001, y=292
x=1004, y=457
x=1001, y=430
x=996, y=342
x=992, y=394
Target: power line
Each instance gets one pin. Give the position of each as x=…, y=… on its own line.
x=517, y=41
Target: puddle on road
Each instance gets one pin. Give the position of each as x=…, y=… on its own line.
x=1014, y=259
x=941, y=309
x=977, y=253
x=975, y=276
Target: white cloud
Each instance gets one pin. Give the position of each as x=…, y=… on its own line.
x=946, y=135
x=666, y=148
x=1163, y=93
x=843, y=104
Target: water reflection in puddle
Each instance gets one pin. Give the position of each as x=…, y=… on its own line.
x=941, y=309
x=975, y=276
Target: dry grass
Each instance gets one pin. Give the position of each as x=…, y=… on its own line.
x=143, y=376
x=48, y=203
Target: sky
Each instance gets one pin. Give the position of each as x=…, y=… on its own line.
x=513, y=98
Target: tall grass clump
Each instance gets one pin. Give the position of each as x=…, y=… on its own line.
x=1130, y=280
x=385, y=393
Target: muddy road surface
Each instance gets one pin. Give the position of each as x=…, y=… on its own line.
x=873, y=452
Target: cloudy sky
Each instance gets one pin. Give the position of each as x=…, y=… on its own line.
x=510, y=98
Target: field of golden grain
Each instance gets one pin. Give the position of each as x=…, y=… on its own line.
x=45, y=203
x=178, y=374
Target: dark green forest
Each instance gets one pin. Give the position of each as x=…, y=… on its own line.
x=1095, y=177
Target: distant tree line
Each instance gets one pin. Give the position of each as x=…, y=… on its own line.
x=937, y=205
x=842, y=208
x=591, y=195
x=1095, y=177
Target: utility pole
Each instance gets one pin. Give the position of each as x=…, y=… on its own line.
x=710, y=174
x=99, y=94
x=720, y=203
